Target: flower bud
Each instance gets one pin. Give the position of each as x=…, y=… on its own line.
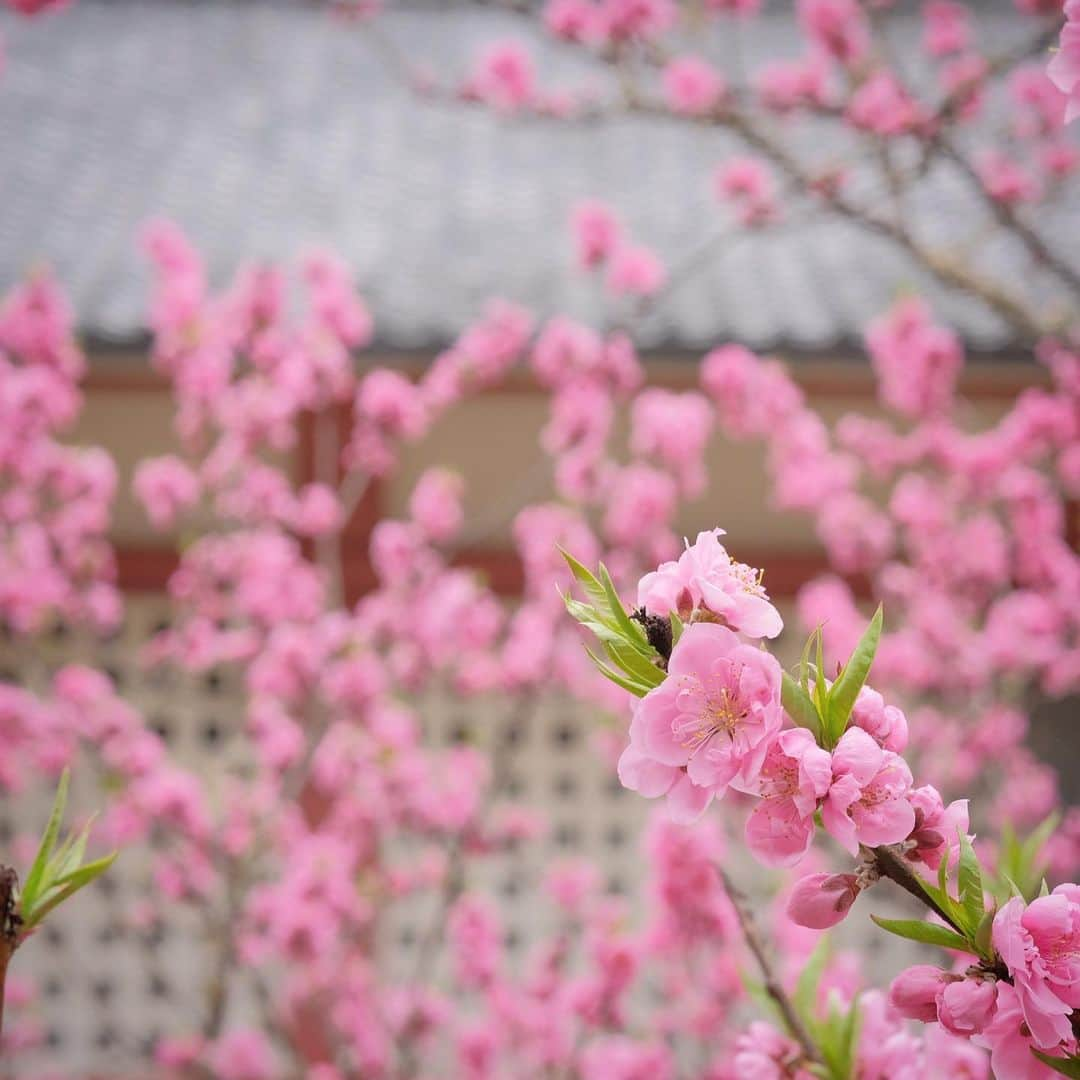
x=967, y=1006
x=819, y=901
x=914, y=992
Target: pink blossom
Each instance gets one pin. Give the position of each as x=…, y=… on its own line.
x=242, y=1054
x=916, y=362
x=640, y=503
x=716, y=712
x=866, y=803
x=435, y=504
x=1064, y=67
x=1005, y=179
x=963, y=1006
x=1040, y=945
x=706, y=577
x=748, y=186
x=763, y=1053
x=572, y=20
x=1009, y=1041
x=166, y=487
x=673, y=429
x=635, y=271
x=946, y=27
x=317, y=511
x=795, y=776
x=650, y=778
x=883, y=106
x=885, y=724
x=818, y=901
x=784, y=85
x=837, y=27
x=692, y=86
x=938, y=828
x=505, y=76
x=597, y=232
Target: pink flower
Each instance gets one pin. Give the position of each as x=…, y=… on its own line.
x=705, y=576
x=795, y=775
x=505, y=77
x=784, y=85
x=748, y=186
x=818, y=901
x=883, y=106
x=837, y=27
x=966, y=1006
x=673, y=429
x=914, y=992
x=572, y=20
x=1009, y=1041
x=1040, y=945
x=242, y=1055
x=946, y=27
x=1005, y=180
x=686, y=802
x=166, y=486
x=866, y=803
x=716, y=712
x=938, y=828
x=635, y=271
x=1064, y=68
x=692, y=86
x=435, y=504
x=885, y=724
x=596, y=233
x=763, y=1053
x=963, y=1006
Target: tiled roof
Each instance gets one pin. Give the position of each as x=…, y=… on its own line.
x=267, y=128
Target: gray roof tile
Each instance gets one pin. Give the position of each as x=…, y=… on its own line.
x=266, y=128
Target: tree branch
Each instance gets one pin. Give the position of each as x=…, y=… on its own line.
x=773, y=986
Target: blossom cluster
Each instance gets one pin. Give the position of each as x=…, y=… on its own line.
x=714, y=712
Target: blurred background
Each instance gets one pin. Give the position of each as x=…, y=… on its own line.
x=266, y=128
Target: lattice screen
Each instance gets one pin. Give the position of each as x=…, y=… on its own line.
x=123, y=984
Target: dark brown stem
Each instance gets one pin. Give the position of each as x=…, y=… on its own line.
x=10, y=922
x=773, y=986
x=890, y=864
x=5, y=959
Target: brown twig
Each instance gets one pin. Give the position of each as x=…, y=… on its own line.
x=890, y=864
x=773, y=986
x=10, y=924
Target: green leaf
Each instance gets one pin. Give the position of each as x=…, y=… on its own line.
x=1069, y=1066
x=32, y=886
x=969, y=880
x=851, y=680
x=586, y=578
x=634, y=664
x=592, y=619
x=806, y=989
x=632, y=685
x=982, y=938
x=926, y=932
x=67, y=887
x=676, y=629
x=633, y=632
x=821, y=694
x=804, y=660
x=799, y=705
